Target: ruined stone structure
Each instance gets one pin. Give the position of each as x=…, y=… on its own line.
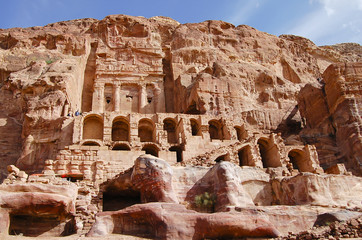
x=243, y=118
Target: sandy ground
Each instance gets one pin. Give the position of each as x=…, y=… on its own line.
x=109, y=237
x=74, y=237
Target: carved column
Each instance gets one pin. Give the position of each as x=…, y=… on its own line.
x=156, y=94
x=159, y=96
x=142, y=98
x=117, y=97
x=65, y=109
x=98, y=98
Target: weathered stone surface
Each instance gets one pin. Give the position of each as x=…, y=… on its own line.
x=37, y=209
x=224, y=182
x=152, y=177
x=230, y=185
x=322, y=190
x=296, y=219
x=340, y=216
x=350, y=229
x=174, y=221
x=332, y=112
x=337, y=169
x=4, y=223
x=242, y=120
x=210, y=68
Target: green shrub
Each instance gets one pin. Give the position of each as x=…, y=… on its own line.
x=49, y=61
x=205, y=202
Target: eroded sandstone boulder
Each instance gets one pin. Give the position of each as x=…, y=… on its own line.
x=174, y=221
x=225, y=185
x=37, y=209
x=222, y=182
x=152, y=177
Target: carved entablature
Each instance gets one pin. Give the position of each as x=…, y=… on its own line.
x=140, y=37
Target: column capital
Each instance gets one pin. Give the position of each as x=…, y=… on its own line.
x=98, y=85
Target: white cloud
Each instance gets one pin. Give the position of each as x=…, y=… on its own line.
x=332, y=21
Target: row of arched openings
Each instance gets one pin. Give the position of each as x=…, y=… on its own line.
x=217, y=130
x=93, y=129
x=269, y=156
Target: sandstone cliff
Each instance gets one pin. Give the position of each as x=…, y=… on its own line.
x=240, y=122
x=210, y=68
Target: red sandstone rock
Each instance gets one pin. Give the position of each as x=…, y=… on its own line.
x=152, y=177
x=332, y=112
x=46, y=208
x=83, y=99
x=174, y=221
x=223, y=182
x=322, y=190
x=211, y=68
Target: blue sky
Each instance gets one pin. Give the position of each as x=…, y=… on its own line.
x=322, y=21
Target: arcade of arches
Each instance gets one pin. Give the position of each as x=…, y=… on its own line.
x=174, y=136
x=120, y=130
x=93, y=128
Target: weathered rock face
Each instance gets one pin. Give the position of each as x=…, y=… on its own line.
x=230, y=192
x=321, y=190
x=174, y=221
x=243, y=202
x=138, y=65
x=37, y=209
x=39, y=88
x=332, y=112
x=237, y=121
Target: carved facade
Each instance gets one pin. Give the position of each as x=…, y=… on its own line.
x=228, y=109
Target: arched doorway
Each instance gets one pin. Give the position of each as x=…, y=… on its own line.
x=215, y=130
x=120, y=130
x=169, y=125
x=121, y=147
x=178, y=150
x=269, y=153
x=298, y=159
x=146, y=130
x=93, y=128
x=245, y=156
x=151, y=149
x=195, y=127
x=240, y=133
x=90, y=143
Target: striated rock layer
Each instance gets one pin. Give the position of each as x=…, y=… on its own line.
x=208, y=68
x=239, y=122
x=332, y=111
x=241, y=202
